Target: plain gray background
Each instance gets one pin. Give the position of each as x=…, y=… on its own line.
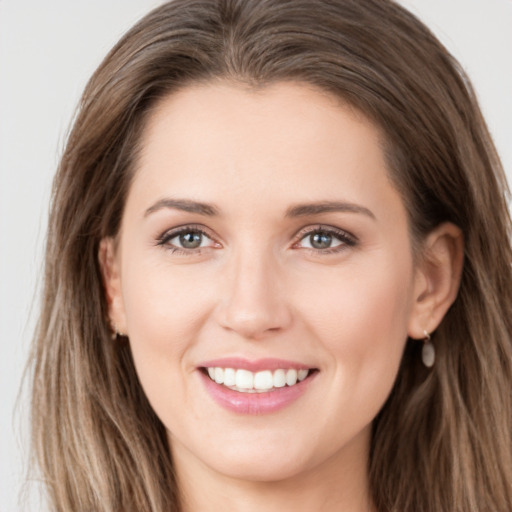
x=47, y=52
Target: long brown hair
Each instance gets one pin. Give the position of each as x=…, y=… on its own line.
x=442, y=441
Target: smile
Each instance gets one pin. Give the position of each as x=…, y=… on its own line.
x=245, y=381
x=258, y=386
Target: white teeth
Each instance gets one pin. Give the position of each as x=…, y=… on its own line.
x=244, y=379
x=250, y=382
x=263, y=380
x=291, y=377
x=280, y=379
x=302, y=374
x=229, y=377
x=219, y=375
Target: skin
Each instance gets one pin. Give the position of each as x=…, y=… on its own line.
x=257, y=289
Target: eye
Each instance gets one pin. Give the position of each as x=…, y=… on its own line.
x=320, y=240
x=186, y=239
x=327, y=240
x=189, y=240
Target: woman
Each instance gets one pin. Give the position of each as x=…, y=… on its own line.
x=278, y=272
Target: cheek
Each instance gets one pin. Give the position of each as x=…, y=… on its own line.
x=165, y=310
x=356, y=303
x=361, y=319
x=163, y=304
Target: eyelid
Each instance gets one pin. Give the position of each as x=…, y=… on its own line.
x=346, y=238
x=169, y=234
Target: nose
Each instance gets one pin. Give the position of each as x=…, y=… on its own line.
x=255, y=304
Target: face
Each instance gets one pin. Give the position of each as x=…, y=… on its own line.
x=264, y=276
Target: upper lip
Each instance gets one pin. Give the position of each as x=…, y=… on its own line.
x=254, y=365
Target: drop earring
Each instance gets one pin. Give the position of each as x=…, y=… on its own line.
x=428, y=352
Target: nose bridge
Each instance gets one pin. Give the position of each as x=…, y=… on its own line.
x=255, y=302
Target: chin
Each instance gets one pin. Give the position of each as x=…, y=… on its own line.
x=278, y=468
x=263, y=456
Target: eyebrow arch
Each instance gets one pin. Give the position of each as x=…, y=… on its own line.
x=301, y=210
x=185, y=205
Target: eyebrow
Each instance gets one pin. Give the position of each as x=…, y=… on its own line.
x=185, y=205
x=301, y=210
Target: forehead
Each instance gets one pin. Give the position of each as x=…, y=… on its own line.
x=287, y=142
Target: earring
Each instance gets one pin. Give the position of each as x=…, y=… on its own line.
x=115, y=333
x=428, y=352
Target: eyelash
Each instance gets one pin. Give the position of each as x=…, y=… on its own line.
x=346, y=239
x=164, y=239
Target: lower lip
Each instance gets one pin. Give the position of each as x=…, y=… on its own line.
x=255, y=403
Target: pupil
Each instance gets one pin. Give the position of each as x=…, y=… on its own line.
x=191, y=240
x=320, y=240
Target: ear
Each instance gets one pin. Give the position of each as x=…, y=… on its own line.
x=437, y=279
x=110, y=269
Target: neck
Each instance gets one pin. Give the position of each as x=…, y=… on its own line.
x=340, y=483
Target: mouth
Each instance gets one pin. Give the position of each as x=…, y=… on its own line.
x=263, y=381
x=256, y=387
